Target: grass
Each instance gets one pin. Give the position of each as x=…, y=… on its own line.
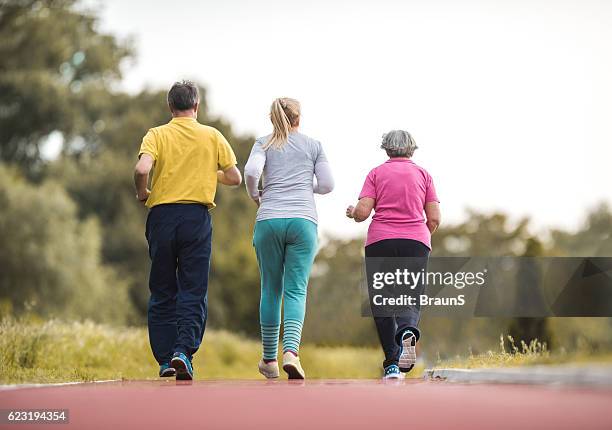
x=54, y=351
x=34, y=351
x=524, y=355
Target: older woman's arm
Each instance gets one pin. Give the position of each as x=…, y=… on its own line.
x=253, y=170
x=362, y=211
x=432, y=214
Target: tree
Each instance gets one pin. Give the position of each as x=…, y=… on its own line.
x=53, y=60
x=524, y=330
x=333, y=311
x=482, y=235
x=64, y=83
x=50, y=259
x=592, y=239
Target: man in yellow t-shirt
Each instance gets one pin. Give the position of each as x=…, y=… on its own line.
x=188, y=160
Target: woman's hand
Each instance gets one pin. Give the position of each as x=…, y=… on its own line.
x=362, y=211
x=257, y=199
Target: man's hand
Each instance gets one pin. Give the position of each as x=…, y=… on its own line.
x=144, y=196
x=141, y=176
x=350, y=211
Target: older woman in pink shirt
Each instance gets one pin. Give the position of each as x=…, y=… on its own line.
x=406, y=213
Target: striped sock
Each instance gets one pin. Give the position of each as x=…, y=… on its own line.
x=269, y=340
x=292, y=333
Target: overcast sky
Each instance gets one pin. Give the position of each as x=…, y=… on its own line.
x=509, y=101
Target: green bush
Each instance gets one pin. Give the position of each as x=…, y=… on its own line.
x=50, y=259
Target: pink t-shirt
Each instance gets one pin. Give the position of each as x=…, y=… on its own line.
x=401, y=189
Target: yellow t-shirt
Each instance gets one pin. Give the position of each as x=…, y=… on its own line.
x=187, y=155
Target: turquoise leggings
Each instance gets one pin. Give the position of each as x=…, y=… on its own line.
x=285, y=249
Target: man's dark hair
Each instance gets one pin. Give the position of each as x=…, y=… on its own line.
x=183, y=95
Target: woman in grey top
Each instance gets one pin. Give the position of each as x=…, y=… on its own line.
x=285, y=236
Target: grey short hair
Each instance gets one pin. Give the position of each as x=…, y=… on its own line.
x=398, y=143
x=183, y=95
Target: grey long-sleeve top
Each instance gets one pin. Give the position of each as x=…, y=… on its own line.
x=288, y=177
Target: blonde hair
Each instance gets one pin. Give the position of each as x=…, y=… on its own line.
x=284, y=114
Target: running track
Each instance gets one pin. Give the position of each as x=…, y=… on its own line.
x=342, y=404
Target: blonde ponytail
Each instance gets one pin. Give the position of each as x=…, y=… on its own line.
x=284, y=114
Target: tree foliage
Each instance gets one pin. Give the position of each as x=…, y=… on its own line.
x=72, y=234
x=51, y=259
x=54, y=61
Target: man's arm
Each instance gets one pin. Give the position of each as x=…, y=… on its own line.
x=141, y=176
x=227, y=172
x=229, y=176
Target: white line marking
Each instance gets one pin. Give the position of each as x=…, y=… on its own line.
x=56, y=384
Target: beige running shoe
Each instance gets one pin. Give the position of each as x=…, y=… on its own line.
x=291, y=365
x=269, y=370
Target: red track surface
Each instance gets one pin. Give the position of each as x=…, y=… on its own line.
x=371, y=405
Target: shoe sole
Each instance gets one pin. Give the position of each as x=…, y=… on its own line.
x=400, y=376
x=408, y=356
x=182, y=374
x=293, y=372
x=167, y=373
x=269, y=375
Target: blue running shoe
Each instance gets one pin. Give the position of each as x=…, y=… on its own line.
x=166, y=371
x=407, y=357
x=392, y=372
x=182, y=366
